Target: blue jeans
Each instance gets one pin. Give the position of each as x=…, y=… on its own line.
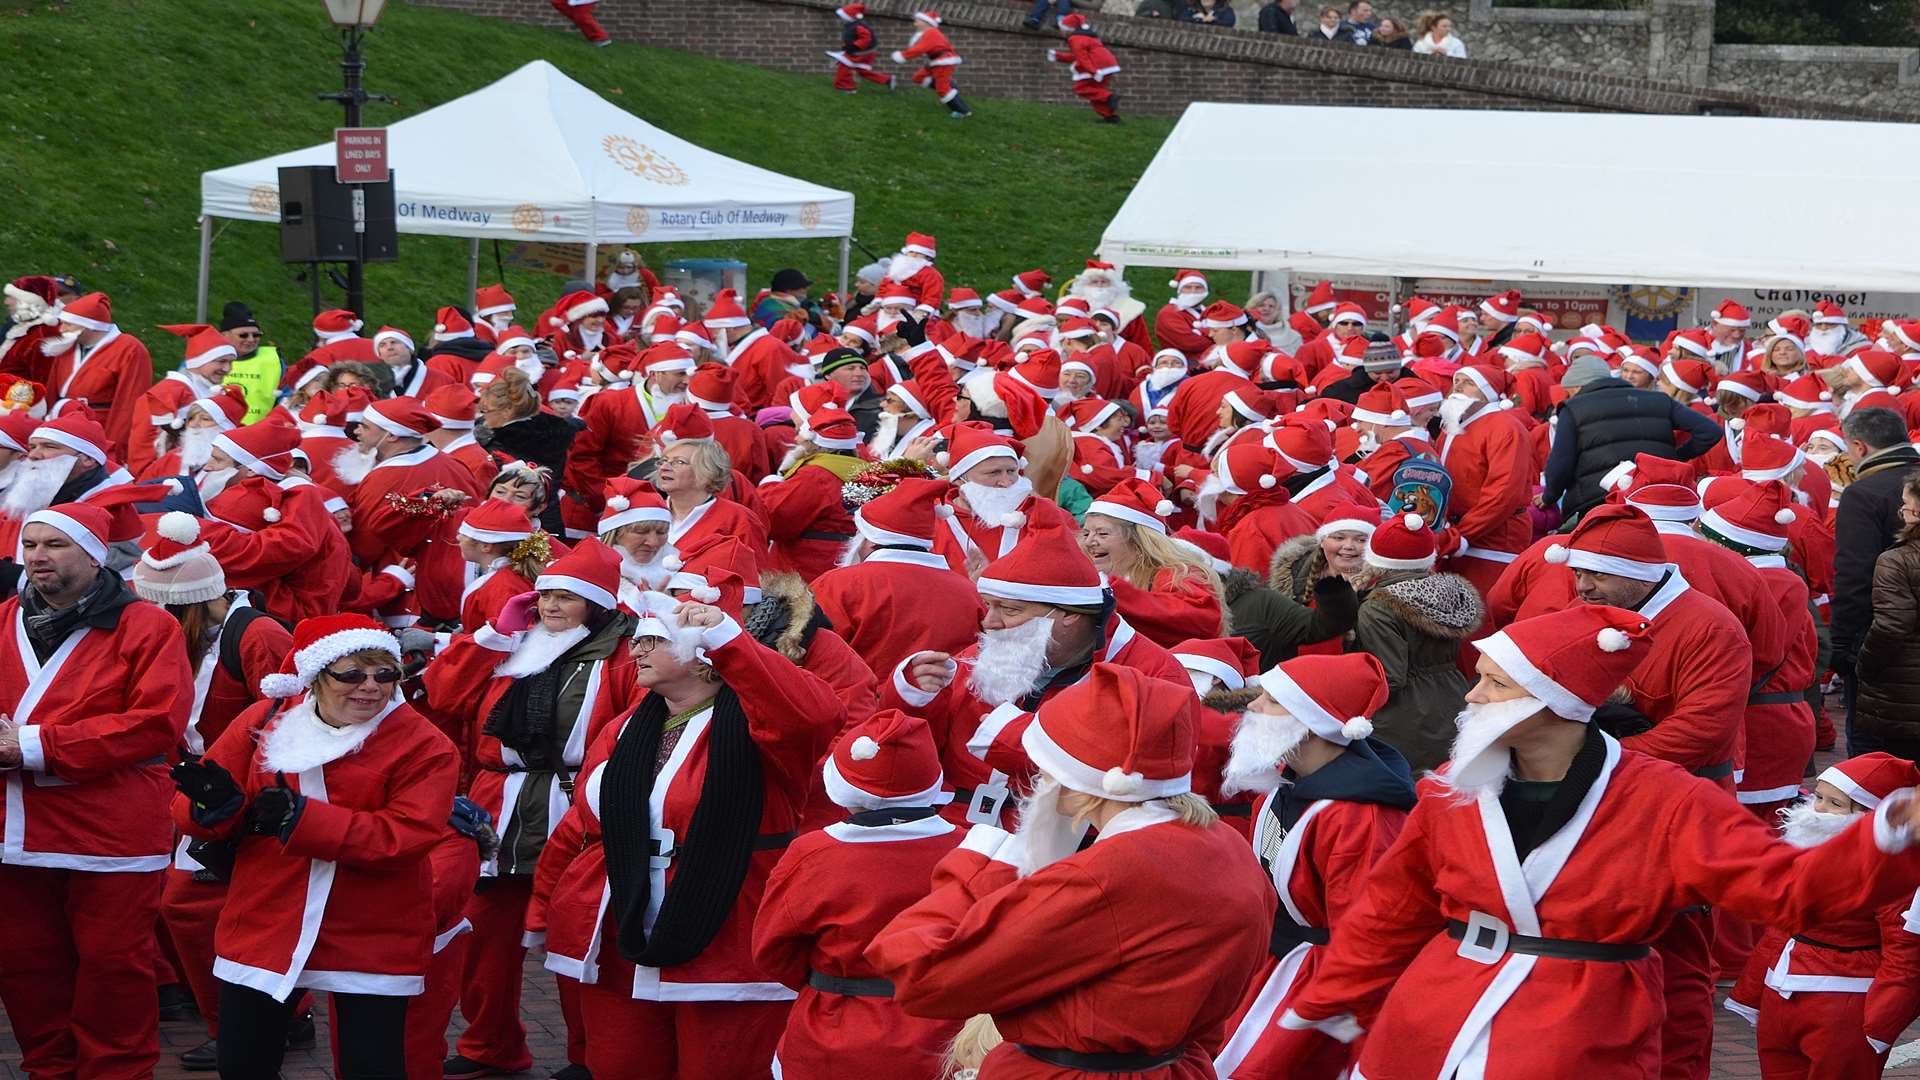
x=1039, y=12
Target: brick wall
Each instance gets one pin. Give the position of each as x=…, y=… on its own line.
x=1165, y=66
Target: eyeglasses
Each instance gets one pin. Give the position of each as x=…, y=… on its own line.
x=385, y=676
x=246, y=333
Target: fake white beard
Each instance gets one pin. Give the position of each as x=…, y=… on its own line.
x=617, y=280
x=887, y=433
x=34, y=484
x=211, y=482
x=1476, y=765
x=666, y=399
x=8, y=472
x=500, y=321
x=991, y=505
x=802, y=447
x=300, y=740
x=1189, y=301
x=1046, y=835
x=196, y=446
x=1261, y=745
x=648, y=575
x=531, y=367
x=1453, y=410
x=352, y=464
x=905, y=266
x=537, y=649
x=1011, y=660
x=1803, y=826
x=1063, y=395
x=1825, y=339
x=977, y=323
x=850, y=552
x=58, y=344
x=1147, y=453
x=1101, y=296
x=1162, y=377
x=1206, y=502
x=1369, y=442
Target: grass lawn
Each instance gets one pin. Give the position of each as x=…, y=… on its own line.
x=114, y=108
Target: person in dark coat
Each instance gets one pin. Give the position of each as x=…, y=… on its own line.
x=1210, y=13
x=1277, y=18
x=1607, y=422
x=1889, y=660
x=511, y=421
x=1865, y=525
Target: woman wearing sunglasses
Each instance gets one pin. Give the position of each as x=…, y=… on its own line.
x=336, y=790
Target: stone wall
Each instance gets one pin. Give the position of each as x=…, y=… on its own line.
x=1884, y=78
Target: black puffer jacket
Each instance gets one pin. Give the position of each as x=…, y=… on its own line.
x=1889, y=663
x=1606, y=423
x=542, y=439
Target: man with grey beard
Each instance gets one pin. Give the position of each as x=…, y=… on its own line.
x=1049, y=618
x=67, y=461
x=1546, y=839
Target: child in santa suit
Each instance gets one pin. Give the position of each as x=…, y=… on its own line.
x=937, y=61
x=1830, y=999
x=1092, y=64
x=854, y=58
x=580, y=14
x=1306, y=742
x=813, y=927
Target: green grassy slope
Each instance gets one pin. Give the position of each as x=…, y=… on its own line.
x=114, y=107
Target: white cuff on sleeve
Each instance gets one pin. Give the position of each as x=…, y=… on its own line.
x=1343, y=1027
x=1888, y=837
x=719, y=634
x=909, y=693
x=400, y=574
x=991, y=725
x=1878, y=1046
x=985, y=839
x=488, y=638
x=32, y=754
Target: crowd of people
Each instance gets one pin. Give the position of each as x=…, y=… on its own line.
x=1081, y=688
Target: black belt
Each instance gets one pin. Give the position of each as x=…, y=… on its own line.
x=834, y=984
x=1558, y=948
x=560, y=775
x=763, y=842
x=1778, y=697
x=1103, y=1063
x=963, y=796
x=900, y=815
x=1804, y=940
x=1288, y=935
x=1716, y=771
x=1238, y=809
x=814, y=534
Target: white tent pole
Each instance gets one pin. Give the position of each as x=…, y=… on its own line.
x=206, y=268
x=846, y=256
x=473, y=271
x=593, y=243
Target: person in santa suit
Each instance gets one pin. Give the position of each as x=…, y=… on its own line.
x=390, y=456
x=648, y=891
x=295, y=559
x=412, y=377
x=807, y=522
x=1246, y=499
x=454, y=865
x=634, y=525
x=31, y=319
x=1162, y=590
x=1220, y=668
x=617, y=420
x=86, y=841
x=316, y=839
x=713, y=388
x=694, y=476
x=1346, y=322
x=452, y=407
x=1056, y=943
x=992, y=500
x=1388, y=437
x=937, y=58
x=757, y=357
x=1175, y=324
x=912, y=267
x=337, y=333
x=1485, y=449
x=1092, y=65
x=1517, y=854
x=812, y=930
x=96, y=365
x=502, y=553
x=1100, y=456
x=892, y=595
x=493, y=309
x=1320, y=479
x=67, y=462
x=576, y=329
x=1049, y=618
x=1829, y=1000
x=1305, y=743
x=231, y=646
x=1728, y=327
x=162, y=409
x=201, y=420
x=322, y=422
x=1193, y=414
x=530, y=687
x=854, y=58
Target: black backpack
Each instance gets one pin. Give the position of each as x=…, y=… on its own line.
x=231, y=635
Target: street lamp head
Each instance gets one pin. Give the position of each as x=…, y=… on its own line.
x=354, y=14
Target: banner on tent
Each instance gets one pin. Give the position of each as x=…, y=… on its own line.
x=719, y=220
x=1767, y=303
x=1569, y=306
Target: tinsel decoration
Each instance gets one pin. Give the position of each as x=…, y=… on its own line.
x=424, y=504
x=879, y=478
x=538, y=547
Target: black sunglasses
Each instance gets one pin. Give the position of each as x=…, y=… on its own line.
x=385, y=676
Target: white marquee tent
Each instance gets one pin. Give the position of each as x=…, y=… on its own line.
x=583, y=171
x=1733, y=202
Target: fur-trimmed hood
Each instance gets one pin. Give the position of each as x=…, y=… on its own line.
x=1444, y=606
x=1221, y=699
x=1238, y=582
x=1296, y=562
x=786, y=618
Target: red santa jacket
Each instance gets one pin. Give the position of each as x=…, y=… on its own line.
x=831, y=893
x=791, y=716
x=927, y=284
x=1193, y=415
x=296, y=567
x=1173, y=328
x=97, y=721
x=895, y=603
x=1877, y=956
x=1646, y=841
x=1088, y=56
x=717, y=516
x=761, y=361
x=1179, y=607
x=807, y=522
x=967, y=543
x=616, y=421
x=1255, y=533
x=1099, y=463
x=1693, y=683
x=1059, y=957
x=1380, y=465
x=155, y=414
x=1779, y=721
x=475, y=457
x=219, y=697
x=346, y=902
x=745, y=444
x=111, y=376
x=385, y=533
x=1490, y=463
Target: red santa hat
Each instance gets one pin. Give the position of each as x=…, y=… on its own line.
x=1868, y=779
x=226, y=407
x=176, y=566
x=1045, y=567
x=695, y=335
x=832, y=428
x=1769, y=457
x=1697, y=342
x=1184, y=277
x=907, y=515
x=716, y=571
x=1878, y=368
x=1752, y=385
x=1039, y=372
x=1526, y=349
x=1828, y=313
x=88, y=524
x=1210, y=546
x=972, y=443
x=851, y=12
x=814, y=396
x=401, y=417
x=497, y=521
x=266, y=448
x=566, y=387
x=1251, y=466
x=492, y=300
x=1693, y=376
x=666, y=356
x=1573, y=659
x=911, y=394
x=963, y=299
x=1419, y=309
x=336, y=324
x=1117, y=734
x=1087, y=414
x=575, y=306
x=16, y=428
x=1614, y=539
x=1231, y=660
x=1032, y=282
x=1076, y=328
x=1492, y=381
x=448, y=325
x=1503, y=309
x=725, y=311
x=1072, y=306
x=1641, y=357
x=1807, y=393
x=683, y=422
x=452, y=407
x=249, y=504
x=1245, y=356
x=1382, y=404
x=1661, y=488
x=90, y=312
x=1137, y=502
x=204, y=344
x=630, y=502
x=1757, y=517
x=1320, y=299
x=886, y=761
x=394, y=333
x=1729, y=313
x=590, y=571
x=921, y=243
x=712, y=388
x=1766, y=418
x=1221, y=315
x=892, y=294
x=1334, y=696
x=1347, y=312
x=1402, y=542
x=1306, y=444
x=1253, y=404
x=77, y=432
x=1418, y=393
x=318, y=642
x=1794, y=328
x=1349, y=517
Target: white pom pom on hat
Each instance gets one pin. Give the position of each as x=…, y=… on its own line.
x=1086, y=470
x=1736, y=423
x=1163, y=508
x=1612, y=640
x=1414, y=522
x=281, y=685
x=1269, y=481
x=864, y=749
x=943, y=459
x=672, y=562
x=942, y=511
x=181, y=528
x=1357, y=728
x=1784, y=516
x=439, y=328
x=270, y=515
x=618, y=503
x=1118, y=781
x=706, y=594
x=1556, y=554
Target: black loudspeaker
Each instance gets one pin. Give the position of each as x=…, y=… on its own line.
x=316, y=218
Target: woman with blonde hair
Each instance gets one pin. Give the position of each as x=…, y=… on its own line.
x=1167, y=593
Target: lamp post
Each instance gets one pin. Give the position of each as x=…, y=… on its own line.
x=355, y=18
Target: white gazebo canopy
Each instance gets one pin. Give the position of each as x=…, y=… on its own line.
x=1619, y=199
x=580, y=170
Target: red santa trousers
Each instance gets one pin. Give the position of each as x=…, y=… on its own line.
x=581, y=15
x=666, y=1040
x=845, y=74
x=192, y=910
x=490, y=983
x=1815, y=1035
x=940, y=78
x=76, y=975
x=1096, y=93
x=1686, y=965
x=427, y=1014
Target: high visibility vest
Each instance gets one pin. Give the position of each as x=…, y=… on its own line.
x=258, y=377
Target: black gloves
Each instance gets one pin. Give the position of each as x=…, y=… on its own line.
x=911, y=332
x=1621, y=720
x=472, y=821
x=275, y=810
x=210, y=788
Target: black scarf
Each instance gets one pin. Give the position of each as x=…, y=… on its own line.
x=711, y=861
x=524, y=719
x=98, y=608
x=1582, y=774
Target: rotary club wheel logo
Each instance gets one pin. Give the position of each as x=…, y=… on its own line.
x=528, y=218
x=264, y=200
x=642, y=161
x=810, y=215
x=638, y=220
x=1653, y=302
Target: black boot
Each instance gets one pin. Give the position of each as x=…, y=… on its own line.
x=176, y=1003
x=202, y=1058
x=300, y=1033
x=571, y=1071
x=957, y=108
